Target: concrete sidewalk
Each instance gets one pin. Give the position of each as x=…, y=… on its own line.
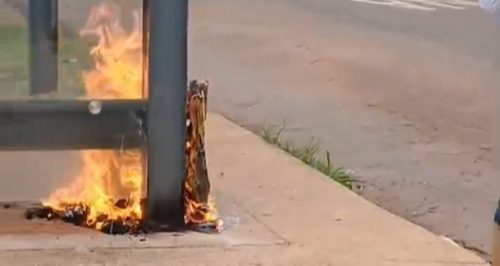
x=297, y=217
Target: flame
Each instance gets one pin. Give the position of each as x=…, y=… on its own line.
x=118, y=57
x=117, y=73
x=107, y=176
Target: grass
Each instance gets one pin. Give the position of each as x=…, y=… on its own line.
x=14, y=73
x=309, y=155
x=14, y=64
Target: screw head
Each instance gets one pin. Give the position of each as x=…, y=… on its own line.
x=95, y=107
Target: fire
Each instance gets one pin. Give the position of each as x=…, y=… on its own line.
x=118, y=57
x=107, y=177
x=199, y=209
x=110, y=185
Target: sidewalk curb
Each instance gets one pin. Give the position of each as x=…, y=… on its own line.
x=221, y=123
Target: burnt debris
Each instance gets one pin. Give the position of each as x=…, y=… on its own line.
x=77, y=214
x=120, y=227
x=199, y=213
x=40, y=213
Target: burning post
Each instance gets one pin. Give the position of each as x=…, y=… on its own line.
x=138, y=109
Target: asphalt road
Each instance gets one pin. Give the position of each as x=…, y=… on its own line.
x=403, y=96
x=465, y=28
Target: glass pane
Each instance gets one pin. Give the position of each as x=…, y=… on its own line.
x=92, y=35
x=100, y=57
x=101, y=49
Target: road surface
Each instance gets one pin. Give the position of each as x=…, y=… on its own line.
x=401, y=92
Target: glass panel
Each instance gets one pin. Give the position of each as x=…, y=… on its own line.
x=91, y=35
x=101, y=49
x=100, y=56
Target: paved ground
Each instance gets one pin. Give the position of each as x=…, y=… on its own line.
x=404, y=97
x=279, y=211
x=403, y=92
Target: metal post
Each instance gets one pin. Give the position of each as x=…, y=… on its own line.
x=166, y=111
x=43, y=38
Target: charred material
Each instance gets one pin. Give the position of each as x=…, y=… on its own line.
x=77, y=214
x=40, y=213
x=120, y=227
x=199, y=214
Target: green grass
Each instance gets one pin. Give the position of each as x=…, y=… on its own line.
x=309, y=155
x=14, y=73
x=14, y=64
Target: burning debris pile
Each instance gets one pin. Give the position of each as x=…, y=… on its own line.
x=109, y=192
x=78, y=215
x=199, y=210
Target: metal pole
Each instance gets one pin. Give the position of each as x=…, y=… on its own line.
x=166, y=111
x=43, y=38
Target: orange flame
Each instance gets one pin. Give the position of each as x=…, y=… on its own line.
x=118, y=57
x=107, y=176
